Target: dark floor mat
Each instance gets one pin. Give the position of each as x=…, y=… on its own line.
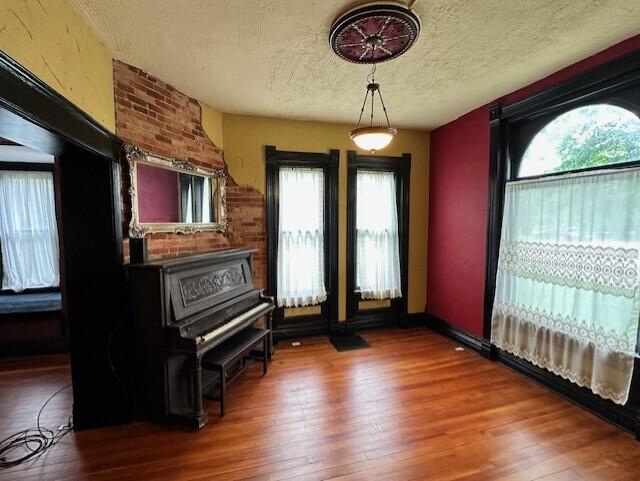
x=348, y=342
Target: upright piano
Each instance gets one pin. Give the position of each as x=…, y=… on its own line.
x=180, y=309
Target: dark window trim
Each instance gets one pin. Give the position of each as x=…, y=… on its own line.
x=401, y=167
x=511, y=128
x=618, y=166
x=329, y=163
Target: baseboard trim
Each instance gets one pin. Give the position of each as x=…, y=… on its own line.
x=625, y=417
x=379, y=321
x=303, y=331
x=476, y=343
x=364, y=322
x=414, y=319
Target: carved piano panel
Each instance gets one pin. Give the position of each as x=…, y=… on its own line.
x=193, y=290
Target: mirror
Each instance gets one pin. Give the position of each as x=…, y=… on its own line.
x=169, y=195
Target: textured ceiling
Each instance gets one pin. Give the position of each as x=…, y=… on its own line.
x=272, y=58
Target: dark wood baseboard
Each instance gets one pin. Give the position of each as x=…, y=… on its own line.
x=413, y=319
x=308, y=330
x=35, y=347
x=626, y=417
x=378, y=320
x=476, y=343
x=364, y=322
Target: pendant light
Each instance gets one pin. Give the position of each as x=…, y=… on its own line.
x=369, y=34
x=373, y=137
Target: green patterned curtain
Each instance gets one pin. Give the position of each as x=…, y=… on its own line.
x=567, y=290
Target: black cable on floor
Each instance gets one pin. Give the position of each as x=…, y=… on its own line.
x=30, y=443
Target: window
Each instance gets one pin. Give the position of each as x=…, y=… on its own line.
x=28, y=231
x=378, y=255
x=377, y=238
x=301, y=238
x=590, y=136
x=567, y=289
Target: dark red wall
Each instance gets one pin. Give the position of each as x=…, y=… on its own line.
x=458, y=193
x=457, y=220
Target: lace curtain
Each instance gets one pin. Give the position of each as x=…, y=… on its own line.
x=378, y=253
x=567, y=292
x=28, y=231
x=301, y=238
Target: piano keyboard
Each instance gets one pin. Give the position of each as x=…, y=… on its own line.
x=231, y=324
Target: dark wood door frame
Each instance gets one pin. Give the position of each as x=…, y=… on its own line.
x=511, y=128
x=308, y=324
x=87, y=159
x=396, y=314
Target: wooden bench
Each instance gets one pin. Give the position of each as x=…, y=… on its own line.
x=236, y=350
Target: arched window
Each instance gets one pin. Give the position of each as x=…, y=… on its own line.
x=591, y=136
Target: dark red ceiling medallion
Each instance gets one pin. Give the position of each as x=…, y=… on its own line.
x=374, y=33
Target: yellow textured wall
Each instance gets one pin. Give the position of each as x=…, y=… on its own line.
x=245, y=138
x=49, y=39
x=211, y=120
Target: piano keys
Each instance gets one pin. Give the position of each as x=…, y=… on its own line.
x=181, y=308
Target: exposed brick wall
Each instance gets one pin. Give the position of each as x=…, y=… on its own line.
x=164, y=121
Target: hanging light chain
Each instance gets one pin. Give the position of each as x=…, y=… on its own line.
x=364, y=104
x=373, y=92
x=383, y=107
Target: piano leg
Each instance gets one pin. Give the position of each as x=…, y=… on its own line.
x=199, y=413
x=265, y=355
x=270, y=336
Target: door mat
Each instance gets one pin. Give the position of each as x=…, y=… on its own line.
x=348, y=342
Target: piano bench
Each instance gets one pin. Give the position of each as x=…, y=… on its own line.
x=236, y=349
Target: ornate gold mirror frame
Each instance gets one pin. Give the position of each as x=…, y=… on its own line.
x=135, y=155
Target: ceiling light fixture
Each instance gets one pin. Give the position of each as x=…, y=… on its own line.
x=370, y=34
x=373, y=137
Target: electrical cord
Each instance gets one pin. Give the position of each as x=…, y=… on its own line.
x=32, y=442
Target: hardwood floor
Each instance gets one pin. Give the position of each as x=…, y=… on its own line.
x=410, y=407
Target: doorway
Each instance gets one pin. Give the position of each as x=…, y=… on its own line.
x=87, y=164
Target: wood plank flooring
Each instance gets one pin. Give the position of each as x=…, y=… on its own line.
x=411, y=407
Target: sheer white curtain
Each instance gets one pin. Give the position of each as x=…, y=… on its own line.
x=301, y=238
x=378, y=259
x=567, y=295
x=28, y=231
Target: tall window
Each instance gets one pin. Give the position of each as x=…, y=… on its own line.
x=568, y=281
x=28, y=231
x=377, y=238
x=301, y=238
x=377, y=244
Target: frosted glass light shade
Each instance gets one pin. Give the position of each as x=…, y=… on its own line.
x=373, y=138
